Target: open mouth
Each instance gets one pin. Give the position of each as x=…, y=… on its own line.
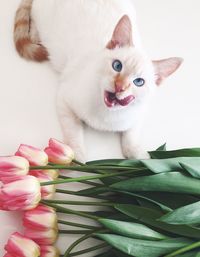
x=111, y=99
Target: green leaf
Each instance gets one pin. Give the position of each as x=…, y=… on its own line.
x=161, y=206
x=106, y=254
x=187, y=152
x=117, y=253
x=168, y=199
x=132, y=230
x=93, y=191
x=164, y=182
x=117, y=162
x=190, y=254
x=110, y=181
x=150, y=217
x=144, y=248
x=189, y=214
x=171, y=164
x=162, y=147
x=192, y=167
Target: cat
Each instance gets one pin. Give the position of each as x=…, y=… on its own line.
x=106, y=79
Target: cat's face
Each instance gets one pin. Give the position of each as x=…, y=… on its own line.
x=128, y=76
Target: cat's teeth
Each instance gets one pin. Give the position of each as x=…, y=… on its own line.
x=121, y=96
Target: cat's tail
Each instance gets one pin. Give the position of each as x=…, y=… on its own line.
x=26, y=38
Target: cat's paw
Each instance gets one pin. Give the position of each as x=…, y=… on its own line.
x=137, y=152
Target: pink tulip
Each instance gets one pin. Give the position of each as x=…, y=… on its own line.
x=35, y=156
x=49, y=251
x=20, y=246
x=8, y=255
x=22, y=193
x=47, y=192
x=59, y=153
x=11, y=166
x=40, y=218
x=51, y=173
x=42, y=237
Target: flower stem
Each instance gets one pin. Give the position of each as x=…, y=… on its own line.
x=88, y=250
x=184, y=250
x=86, y=182
x=72, y=224
x=69, y=211
x=61, y=191
x=74, y=232
x=77, y=242
x=84, y=178
x=68, y=192
x=77, y=162
x=85, y=168
x=81, y=203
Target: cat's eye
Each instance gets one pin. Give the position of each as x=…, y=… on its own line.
x=139, y=82
x=117, y=65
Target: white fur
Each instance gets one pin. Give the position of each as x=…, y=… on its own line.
x=75, y=33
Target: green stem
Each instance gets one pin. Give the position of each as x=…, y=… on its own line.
x=73, y=232
x=77, y=242
x=184, y=250
x=61, y=191
x=84, y=178
x=81, y=203
x=69, y=211
x=79, y=163
x=86, y=182
x=86, y=168
x=67, y=192
x=88, y=250
x=72, y=224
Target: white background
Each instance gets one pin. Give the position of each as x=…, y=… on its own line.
x=27, y=90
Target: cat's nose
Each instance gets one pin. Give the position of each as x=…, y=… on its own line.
x=121, y=86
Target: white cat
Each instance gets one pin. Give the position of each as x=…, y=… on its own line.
x=106, y=80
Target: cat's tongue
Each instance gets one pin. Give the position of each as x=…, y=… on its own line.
x=127, y=100
x=112, y=100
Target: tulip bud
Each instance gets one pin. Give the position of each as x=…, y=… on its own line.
x=22, y=193
x=11, y=166
x=49, y=251
x=35, y=156
x=51, y=173
x=19, y=245
x=42, y=237
x=40, y=218
x=59, y=153
x=47, y=192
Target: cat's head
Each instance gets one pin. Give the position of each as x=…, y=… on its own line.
x=128, y=75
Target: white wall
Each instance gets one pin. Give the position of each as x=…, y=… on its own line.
x=27, y=90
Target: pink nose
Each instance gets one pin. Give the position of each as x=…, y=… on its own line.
x=121, y=86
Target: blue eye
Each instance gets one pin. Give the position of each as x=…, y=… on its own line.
x=117, y=65
x=139, y=82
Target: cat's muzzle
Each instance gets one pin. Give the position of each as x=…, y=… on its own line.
x=111, y=99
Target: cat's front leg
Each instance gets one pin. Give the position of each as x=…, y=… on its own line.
x=131, y=145
x=73, y=131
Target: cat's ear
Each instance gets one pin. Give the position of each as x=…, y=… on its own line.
x=122, y=35
x=164, y=68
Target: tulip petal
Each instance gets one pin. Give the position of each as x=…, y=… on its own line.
x=45, y=237
x=59, y=153
x=11, y=166
x=35, y=156
x=21, y=194
x=40, y=218
x=19, y=245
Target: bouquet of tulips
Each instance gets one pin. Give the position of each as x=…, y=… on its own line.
x=150, y=208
